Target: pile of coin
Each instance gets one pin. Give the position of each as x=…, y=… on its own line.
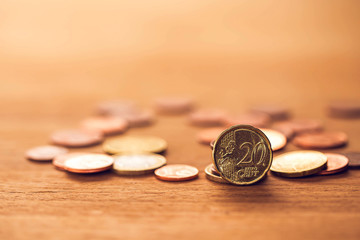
x=242, y=144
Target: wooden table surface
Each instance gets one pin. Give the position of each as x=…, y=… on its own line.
x=229, y=55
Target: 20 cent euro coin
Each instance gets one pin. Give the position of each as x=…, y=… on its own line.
x=242, y=155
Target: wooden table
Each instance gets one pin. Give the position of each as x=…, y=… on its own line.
x=54, y=83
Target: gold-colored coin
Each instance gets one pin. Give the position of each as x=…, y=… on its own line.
x=242, y=154
x=137, y=164
x=134, y=144
x=212, y=177
x=298, y=163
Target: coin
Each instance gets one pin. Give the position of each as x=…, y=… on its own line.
x=207, y=117
x=276, y=112
x=134, y=144
x=354, y=159
x=288, y=131
x=213, y=177
x=106, y=125
x=242, y=154
x=298, y=163
x=320, y=140
x=335, y=163
x=76, y=137
x=301, y=125
x=214, y=171
x=344, y=109
x=137, y=164
x=89, y=163
x=140, y=118
x=208, y=135
x=253, y=119
x=174, y=105
x=176, y=172
x=277, y=139
x=59, y=160
x=115, y=107
x=44, y=153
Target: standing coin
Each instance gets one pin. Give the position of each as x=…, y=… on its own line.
x=213, y=177
x=44, y=153
x=134, y=144
x=89, y=163
x=176, y=173
x=76, y=138
x=277, y=139
x=320, y=140
x=298, y=163
x=106, y=125
x=59, y=161
x=354, y=159
x=137, y=164
x=206, y=136
x=335, y=163
x=242, y=154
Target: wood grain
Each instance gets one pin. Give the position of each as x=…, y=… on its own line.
x=227, y=55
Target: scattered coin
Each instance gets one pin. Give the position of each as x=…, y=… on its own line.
x=213, y=177
x=320, y=140
x=206, y=136
x=134, y=144
x=354, y=159
x=242, y=154
x=106, y=125
x=59, y=161
x=89, y=163
x=253, y=119
x=298, y=163
x=207, y=117
x=137, y=164
x=335, y=163
x=176, y=172
x=116, y=107
x=277, y=139
x=76, y=137
x=140, y=118
x=276, y=112
x=345, y=109
x=44, y=153
x=301, y=125
x=288, y=131
x=173, y=105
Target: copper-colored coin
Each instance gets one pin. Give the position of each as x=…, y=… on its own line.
x=277, y=139
x=174, y=105
x=207, y=117
x=298, y=163
x=213, y=177
x=345, y=109
x=242, y=155
x=77, y=137
x=321, y=140
x=253, y=119
x=276, y=112
x=212, y=144
x=206, y=136
x=59, y=160
x=285, y=129
x=89, y=163
x=106, y=125
x=335, y=163
x=116, y=107
x=214, y=171
x=140, y=118
x=176, y=172
x=44, y=153
x=354, y=159
x=302, y=125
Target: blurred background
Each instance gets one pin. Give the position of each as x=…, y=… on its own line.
x=59, y=55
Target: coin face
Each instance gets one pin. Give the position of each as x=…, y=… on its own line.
x=76, y=137
x=320, y=140
x=242, y=154
x=44, y=153
x=106, y=125
x=135, y=144
x=298, y=163
x=176, y=172
x=59, y=161
x=277, y=139
x=335, y=163
x=89, y=163
x=136, y=164
x=212, y=176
